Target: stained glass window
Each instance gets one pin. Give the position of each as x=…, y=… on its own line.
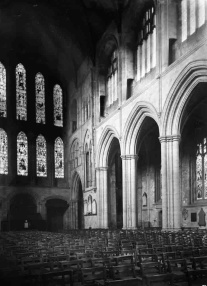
x=22, y=154
x=201, y=170
x=59, y=158
x=21, y=93
x=58, y=105
x=2, y=91
x=3, y=152
x=40, y=98
x=41, y=153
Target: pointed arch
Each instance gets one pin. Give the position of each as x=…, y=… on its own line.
x=3, y=152
x=58, y=105
x=59, y=158
x=22, y=154
x=40, y=98
x=41, y=156
x=21, y=93
x=192, y=74
x=3, y=99
x=132, y=127
x=109, y=133
x=76, y=179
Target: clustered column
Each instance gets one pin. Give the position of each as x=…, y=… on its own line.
x=171, y=204
x=129, y=169
x=102, y=184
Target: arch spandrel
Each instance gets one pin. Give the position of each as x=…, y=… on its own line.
x=188, y=79
x=108, y=134
x=133, y=125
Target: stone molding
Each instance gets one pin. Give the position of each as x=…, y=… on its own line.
x=170, y=138
x=129, y=157
x=101, y=169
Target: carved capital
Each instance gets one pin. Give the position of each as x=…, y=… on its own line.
x=99, y=169
x=129, y=157
x=170, y=138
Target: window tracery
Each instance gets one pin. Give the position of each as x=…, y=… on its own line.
x=21, y=93
x=59, y=158
x=41, y=156
x=40, y=98
x=201, y=170
x=3, y=109
x=22, y=154
x=3, y=153
x=58, y=106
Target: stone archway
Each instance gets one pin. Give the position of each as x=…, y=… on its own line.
x=149, y=196
x=55, y=211
x=132, y=138
x=115, y=204
x=102, y=159
x=174, y=117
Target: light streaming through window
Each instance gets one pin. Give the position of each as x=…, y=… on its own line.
x=22, y=154
x=40, y=98
x=58, y=106
x=3, y=152
x=59, y=158
x=41, y=154
x=21, y=93
x=3, y=112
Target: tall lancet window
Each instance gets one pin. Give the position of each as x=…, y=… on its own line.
x=3, y=153
x=21, y=93
x=41, y=154
x=146, y=50
x=112, y=78
x=22, y=154
x=59, y=158
x=201, y=170
x=3, y=110
x=40, y=98
x=58, y=105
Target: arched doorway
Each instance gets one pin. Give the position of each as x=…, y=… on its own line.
x=23, y=207
x=149, y=197
x=115, y=204
x=55, y=212
x=193, y=157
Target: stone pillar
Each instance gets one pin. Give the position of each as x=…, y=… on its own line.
x=171, y=204
x=102, y=187
x=176, y=182
x=129, y=171
x=164, y=182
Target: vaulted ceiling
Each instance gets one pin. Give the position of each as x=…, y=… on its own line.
x=55, y=33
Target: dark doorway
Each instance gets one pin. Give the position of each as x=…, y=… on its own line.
x=55, y=211
x=80, y=206
x=22, y=207
x=115, y=204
